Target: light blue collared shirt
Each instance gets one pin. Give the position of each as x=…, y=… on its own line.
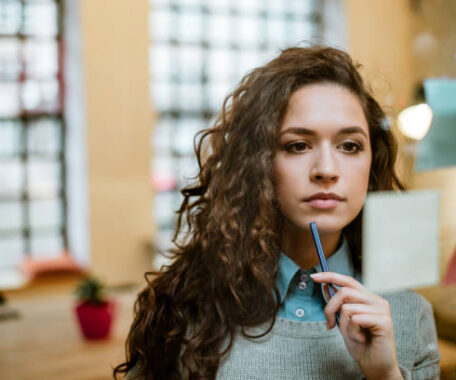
x=301, y=298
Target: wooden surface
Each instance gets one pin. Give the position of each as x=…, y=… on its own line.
x=45, y=342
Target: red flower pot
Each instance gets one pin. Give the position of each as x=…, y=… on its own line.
x=95, y=319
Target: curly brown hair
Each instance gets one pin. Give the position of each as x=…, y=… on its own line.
x=222, y=278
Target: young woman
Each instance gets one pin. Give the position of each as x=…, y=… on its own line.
x=300, y=139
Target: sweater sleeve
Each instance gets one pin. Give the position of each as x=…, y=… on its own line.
x=427, y=355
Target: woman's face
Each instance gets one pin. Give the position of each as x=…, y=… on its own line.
x=323, y=158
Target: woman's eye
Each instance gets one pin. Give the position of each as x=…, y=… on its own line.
x=297, y=147
x=351, y=147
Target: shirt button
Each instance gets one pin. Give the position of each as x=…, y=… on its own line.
x=299, y=313
x=302, y=285
x=304, y=277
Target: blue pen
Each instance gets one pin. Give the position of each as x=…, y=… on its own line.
x=321, y=257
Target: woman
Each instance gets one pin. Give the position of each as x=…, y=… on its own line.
x=300, y=139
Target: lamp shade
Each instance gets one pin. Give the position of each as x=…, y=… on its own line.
x=438, y=148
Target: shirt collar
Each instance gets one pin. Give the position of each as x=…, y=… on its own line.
x=340, y=262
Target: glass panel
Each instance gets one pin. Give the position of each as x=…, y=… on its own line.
x=250, y=6
x=163, y=96
x=161, y=136
x=161, y=24
x=217, y=94
x=41, y=58
x=11, y=178
x=44, y=137
x=276, y=7
x=10, y=16
x=190, y=96
x=219, y=28
x=190, y=67
x=275, y=32
x=41, y=95
x=11, y=217
x=40, y=18
x=10, y=66
x=185, y=132
x=45, y=246
x=220, y=65
x=11, y=251
x=164, y=207
x=160, y=63
x=248, y=60
x=219, y=5
x=43, y=178
x=248, y=31
x=300, y=31
x=189, y=27
x=9, y=99
x=10, y=137
x=46, y=213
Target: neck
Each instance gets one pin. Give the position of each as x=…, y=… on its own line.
x=298, y=245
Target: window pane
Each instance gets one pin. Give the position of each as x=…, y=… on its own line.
x=43, y=178
x=219, y=28
x=40, y=18
x=9, y=58
x=45, y=246
x=161, y=136
x=41, y=95
x=46, y=213
x=187, y=170
x=41, y=58
x=217, y=94
x=190, y=68
x=11, y=251
x=185, y=132
x=189, y=27
x=11, y=217
x=190, y=96
x=220, y=65
x=161, y=24
x=44, y=137
x=11, y=178
x=160, y=63
x=10, y=137
x=248, y=31
x=10, y=16
x=9, y=99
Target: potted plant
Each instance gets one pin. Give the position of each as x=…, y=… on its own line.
x=94, y=312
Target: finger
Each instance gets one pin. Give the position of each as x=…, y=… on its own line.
x=336, y=279
x=378, y=325
x=346, y=296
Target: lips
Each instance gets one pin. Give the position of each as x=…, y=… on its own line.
x=324, y=196
x=324, y=201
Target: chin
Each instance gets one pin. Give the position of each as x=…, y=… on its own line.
x=326, y=224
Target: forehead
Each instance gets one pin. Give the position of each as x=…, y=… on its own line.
x=324, y=107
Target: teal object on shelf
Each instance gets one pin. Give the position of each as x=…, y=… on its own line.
x=438, y=147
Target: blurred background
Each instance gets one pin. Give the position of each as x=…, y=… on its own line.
x=99, y=103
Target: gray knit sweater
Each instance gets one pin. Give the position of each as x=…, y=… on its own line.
x=306, y=350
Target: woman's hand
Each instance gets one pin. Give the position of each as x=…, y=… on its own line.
x=365, y=324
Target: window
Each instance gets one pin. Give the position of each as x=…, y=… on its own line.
x=199, y=51
x=32, y=187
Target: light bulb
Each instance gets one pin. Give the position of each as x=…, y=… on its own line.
x=415, y=121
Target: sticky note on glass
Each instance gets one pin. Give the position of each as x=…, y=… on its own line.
x=400, y=240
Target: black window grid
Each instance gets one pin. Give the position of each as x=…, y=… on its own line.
x=25, y=123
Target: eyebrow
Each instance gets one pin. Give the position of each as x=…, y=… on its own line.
x=305, y=131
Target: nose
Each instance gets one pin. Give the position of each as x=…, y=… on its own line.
x=324, y=168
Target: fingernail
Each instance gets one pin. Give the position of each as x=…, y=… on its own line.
x=313, y=275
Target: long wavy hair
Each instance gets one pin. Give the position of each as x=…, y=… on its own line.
x=222, y=277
